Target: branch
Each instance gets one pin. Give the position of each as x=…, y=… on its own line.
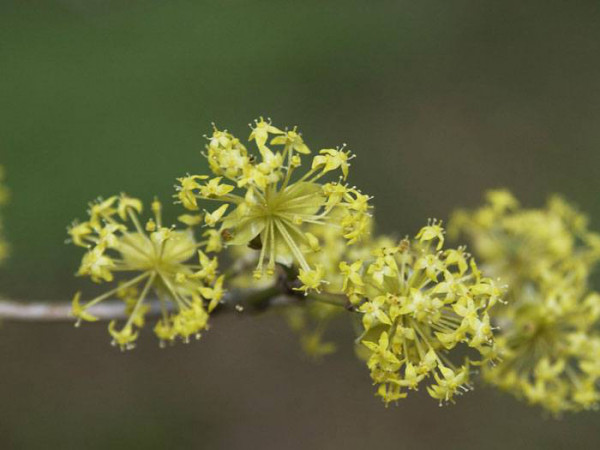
x=49, y=311
x=281, y=293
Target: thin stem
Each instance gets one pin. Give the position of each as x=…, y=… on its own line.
x=329, y=299
x=140, y=300
x=292, y=246
x=125, y=285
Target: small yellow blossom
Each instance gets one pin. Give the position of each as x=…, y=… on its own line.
x=433, y=230
x=419, y=303
x=214, y=293
x=79, y=312
x=125, y=337
x=311, y=279
x=212, y=218
x=273, y=206
x=159, y=260
x=332, y=159
x=291, y=141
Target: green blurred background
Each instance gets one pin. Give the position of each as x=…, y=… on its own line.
x=440, y=100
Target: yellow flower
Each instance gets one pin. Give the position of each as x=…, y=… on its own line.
x=214, y=293
x=97, y=265
x=125, y=337
x=158, y=259
x=272, y=205
x=311, y=279
x=420, y=303
x=450, y=383
x=79, y=312
x=548, y=341
x=291, y=141
x=212, y=218
x=3, y=200
x=433, y=230
x=332, y=159
x=260, y=132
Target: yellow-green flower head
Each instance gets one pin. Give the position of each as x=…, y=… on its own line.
x=268, y=201
x=311, y=318
x=3, y=201
x=520, y=244
x=419, y=303
x=548, y=343
x=333, y=250
x=549, y=348
x=157, y=259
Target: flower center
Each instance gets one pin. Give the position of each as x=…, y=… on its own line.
x=141, y=253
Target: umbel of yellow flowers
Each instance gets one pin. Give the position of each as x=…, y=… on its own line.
x=158, y=259
x=549, y=343
x=426, y=314
x=310, y=318
x=419, y=303
x=268, y=202
x=3, y=200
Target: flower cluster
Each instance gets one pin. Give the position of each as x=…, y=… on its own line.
x=550, y=348
x=311, y=318
x=159, y=259
x=3, y=200
x=549, y=343
x=418, y=303
x=520, y=245
x=264, y=204
x=426, y=314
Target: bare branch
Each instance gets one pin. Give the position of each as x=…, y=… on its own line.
x=52, y=311
x=281, y=293
x=48, y=311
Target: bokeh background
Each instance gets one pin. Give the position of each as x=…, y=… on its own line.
x=440, y=100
